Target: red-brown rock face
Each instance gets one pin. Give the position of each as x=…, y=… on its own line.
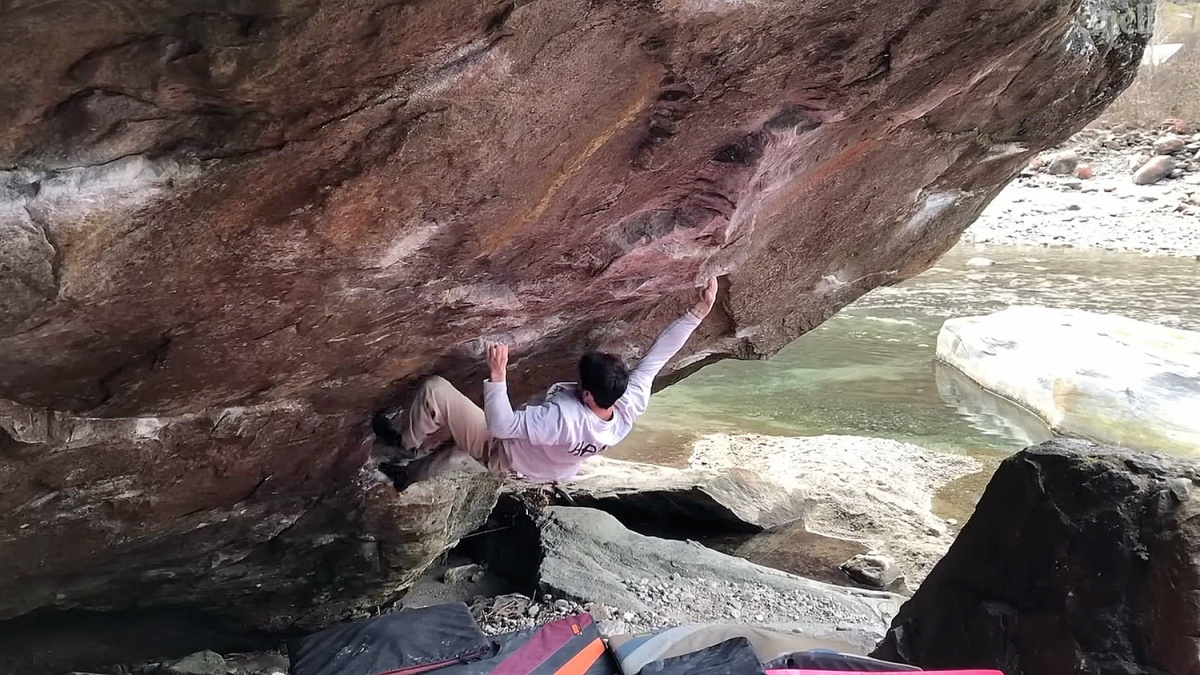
x=229, y=229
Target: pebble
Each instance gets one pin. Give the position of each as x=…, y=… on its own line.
x=1063, y=163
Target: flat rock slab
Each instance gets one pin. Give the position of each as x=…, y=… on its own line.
x=589, y=556
x=876, y=491
x=706, y=500
x=1099, y=376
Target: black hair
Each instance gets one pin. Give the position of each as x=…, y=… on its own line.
x=604, y=376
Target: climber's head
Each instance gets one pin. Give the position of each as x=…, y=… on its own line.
x=603, y=378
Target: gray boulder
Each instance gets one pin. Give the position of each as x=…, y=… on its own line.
x=727, y=499
x=1154, y=170
x=1169, y=145
x=588, y=556
x=201, y=663
x=873, y=569
x=1063, y=163
x=1080, y=558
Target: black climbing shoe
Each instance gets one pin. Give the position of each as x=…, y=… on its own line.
x=382, y=426
x=398, y=472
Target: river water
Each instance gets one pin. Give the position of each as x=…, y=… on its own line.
x=871, y=371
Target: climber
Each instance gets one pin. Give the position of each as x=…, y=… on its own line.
x=548, y=441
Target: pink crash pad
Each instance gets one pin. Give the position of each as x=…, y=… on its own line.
x=844, y=672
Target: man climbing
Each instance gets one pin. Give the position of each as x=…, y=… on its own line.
x=544, y=442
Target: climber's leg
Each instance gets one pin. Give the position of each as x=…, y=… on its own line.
x=439, y=409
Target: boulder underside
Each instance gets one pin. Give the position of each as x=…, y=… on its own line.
x=229, y=229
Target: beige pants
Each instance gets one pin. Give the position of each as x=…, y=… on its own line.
x=439, y=411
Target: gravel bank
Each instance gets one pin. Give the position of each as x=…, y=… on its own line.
x=1106, y=211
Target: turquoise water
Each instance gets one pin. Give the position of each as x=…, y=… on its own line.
x=871, y=371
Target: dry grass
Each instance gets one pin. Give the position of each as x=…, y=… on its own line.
x=1170, y=90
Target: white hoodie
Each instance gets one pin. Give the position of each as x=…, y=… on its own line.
x=550, y=441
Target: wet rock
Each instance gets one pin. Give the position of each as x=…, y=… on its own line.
x=1169, y=145
x=1083, y=171
x=872, y=569
x=732, y=500
x=200, y=663
x=1063, y=163
x=1154, y=170
x=1076, y=555
x=1099, y=376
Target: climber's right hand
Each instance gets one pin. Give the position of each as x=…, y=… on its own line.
x=497, y=356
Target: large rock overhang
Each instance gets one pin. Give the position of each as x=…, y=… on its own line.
x=229, y=229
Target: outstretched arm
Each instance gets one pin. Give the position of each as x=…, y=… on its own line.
x=537, y=424
x=637, y=395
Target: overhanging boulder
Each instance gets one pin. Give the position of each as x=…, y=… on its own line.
x=298, y=209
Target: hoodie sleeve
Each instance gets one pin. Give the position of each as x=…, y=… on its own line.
x=637, y=395
x=540, y=424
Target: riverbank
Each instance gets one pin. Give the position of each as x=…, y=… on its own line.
x=876, y=492
x=1084, y=195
